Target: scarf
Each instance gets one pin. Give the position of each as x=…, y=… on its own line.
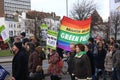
x=79, y=55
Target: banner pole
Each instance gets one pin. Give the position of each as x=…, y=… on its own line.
x=10, y=47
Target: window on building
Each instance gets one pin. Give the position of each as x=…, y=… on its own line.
x=10, y=33
x=11, y=26
x=19, y=26
x=14, y=32
x=14, y=26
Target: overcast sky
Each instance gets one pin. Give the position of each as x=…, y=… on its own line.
x=59, y=6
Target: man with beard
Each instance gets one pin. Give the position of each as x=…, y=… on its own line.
x=19, y=63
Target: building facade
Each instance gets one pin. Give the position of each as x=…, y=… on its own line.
x=114, y=5
x=14, y=27
x=9, y=7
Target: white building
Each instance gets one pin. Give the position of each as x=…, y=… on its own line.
x=8, y=17
x=22, y=23
x=14, y=27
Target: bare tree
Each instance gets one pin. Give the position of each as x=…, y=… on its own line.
x=82, y=10
x=115, y=23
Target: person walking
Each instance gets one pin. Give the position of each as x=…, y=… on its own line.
x=94, y=51
x=70, y=60
x=116, y=63
x=55, y=66
x=101, y=59
x=19, y=63
x=23, y=38
x=82, y=66
x=108, y=60
x=90, y=56
x=33, y=61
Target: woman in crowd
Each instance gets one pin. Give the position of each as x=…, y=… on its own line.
x=33, y=61
x=111, y=41
x=82, y=66
x=108, y=60
x=55, y=66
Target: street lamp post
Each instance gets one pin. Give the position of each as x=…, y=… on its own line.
x=66, y=7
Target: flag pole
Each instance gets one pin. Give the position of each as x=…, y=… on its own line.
x=10, y=49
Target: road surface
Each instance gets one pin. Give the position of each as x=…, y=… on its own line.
x=8, y=67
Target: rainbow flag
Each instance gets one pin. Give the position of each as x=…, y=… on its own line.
x=73, y=31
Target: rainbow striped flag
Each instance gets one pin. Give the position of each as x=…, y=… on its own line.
x=73, y=31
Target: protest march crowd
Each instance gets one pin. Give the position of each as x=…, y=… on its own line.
x=92, y=61
x=87, y=58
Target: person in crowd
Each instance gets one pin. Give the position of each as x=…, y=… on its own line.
x=41, y=54
x=90, y=56
x=55, y=66
x=82, y=66
x=23, y=38
x=101, y=57
x=105, y=45
x=108, y=60
x=60, y=52
x=17, y=39
x=94, y=51
x=38, y=75
x=33, y=61
x=116, y=63
x=70, y=60
x=19, y=63
x=51, y=51
x=111, y=41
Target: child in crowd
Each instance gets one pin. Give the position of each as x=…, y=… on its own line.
x=38, y=75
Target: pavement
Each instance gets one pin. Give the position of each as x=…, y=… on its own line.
x=6, y=59
x=6, y=62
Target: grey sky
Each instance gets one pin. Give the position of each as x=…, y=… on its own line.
x=59, y=6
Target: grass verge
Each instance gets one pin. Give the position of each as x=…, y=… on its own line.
x=4, y=53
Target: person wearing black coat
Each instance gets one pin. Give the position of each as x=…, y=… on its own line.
x=19, y=63
x=101, y=59
x=70, y=61
x=90, y=56
x=82, y=65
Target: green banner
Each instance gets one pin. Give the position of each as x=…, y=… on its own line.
x=70, y=37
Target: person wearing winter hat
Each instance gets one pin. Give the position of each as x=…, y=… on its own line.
x=23, y=37
x=19, y=63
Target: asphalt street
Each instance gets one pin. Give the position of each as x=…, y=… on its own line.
x=8, y=67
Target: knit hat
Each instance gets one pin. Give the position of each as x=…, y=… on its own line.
x=18, y=45
x=23, y=34
x=91, y=39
